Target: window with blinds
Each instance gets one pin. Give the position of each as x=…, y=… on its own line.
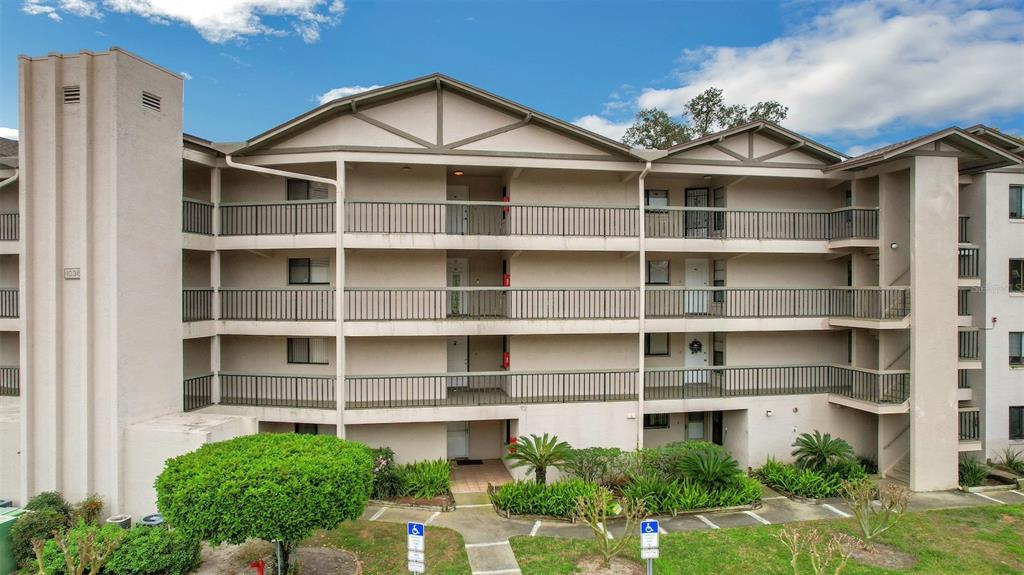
x=306, y=190
x=311, y=350
x=309, y=271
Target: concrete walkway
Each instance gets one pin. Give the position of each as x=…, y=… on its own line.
x=486, y=534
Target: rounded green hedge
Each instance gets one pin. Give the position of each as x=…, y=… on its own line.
x=267, y=486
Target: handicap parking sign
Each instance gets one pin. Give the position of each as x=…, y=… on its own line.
x=649, y=534
x=415, y=529
x=415, y=536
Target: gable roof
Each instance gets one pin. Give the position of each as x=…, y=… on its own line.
x=775, y=131
x=438, y=81
x=994, y=136
x=991, y=156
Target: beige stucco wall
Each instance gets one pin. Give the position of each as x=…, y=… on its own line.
x=486, y=439
x=573, y=352
x=10, y=451
x=196, y=357
x=243, y=186
x=395, y=269
x=800, y=270
x=196, y=268
x=782, y=348
x=410, y=441
x=560, y=269
x=9, y=271
x=268, y=355
x=390, y=183
x=395, y=355
x=565, y=187
x=265, y=269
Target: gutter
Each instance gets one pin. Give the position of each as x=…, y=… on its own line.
x=273, y=172
x=10, y=179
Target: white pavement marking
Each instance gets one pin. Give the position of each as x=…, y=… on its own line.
x=838, y=512
x=432, y=517
x=498, y=572
x=473, y=505
x=1017, y=492
x=377, y=515
x=990, y=498
x=758, y=517
x=536, y=526
x=607, y=533
x=776, y=497
x=707, y=522
x=661, y=529
x=492, y=544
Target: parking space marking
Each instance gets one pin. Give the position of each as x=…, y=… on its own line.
x=990, y=498
x=707, y=522
x=536, y=526
x=491, y=544
x=474, y=505
x=776, y=497
x=432, y=517
x=838, y=512
x=661, y=529
x=758, y=517
x=1017, y=492
x=377, y=515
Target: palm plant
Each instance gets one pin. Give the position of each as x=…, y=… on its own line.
x=819, y=452
x=713, y=468
x=539, y=453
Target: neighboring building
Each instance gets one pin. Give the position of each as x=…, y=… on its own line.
x=435, y=268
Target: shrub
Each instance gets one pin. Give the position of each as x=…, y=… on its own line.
x=538, y=453
x=972, y=472
x=818, y=452
x=276, y=487
x=802, y=482
x=88, y=510
x=602, y=465
x=557, y=499
x=712, y=467
x=425, y=479
x=869, y=464
x=35, y=525
x=386, y=480
x=81, y=549
x=148, y=550
x=667, y=458
x=662, y=494
x=51, y=500
x=593, y=510
x=847, y=470
x=875, y=519
x=1013, y=460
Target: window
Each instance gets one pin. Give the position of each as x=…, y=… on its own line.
x=1017, y=348
x=306, y=428
x=656, y=198
x=695, y=426
x=307, y=350
x=655, y=421
x=1017, y=422
x=718, y=280
x=310, y=271
x=306, y=190
x=656, y=344
x=1017, y=202
x=657, y=272
x=1017, y=275
x=718, y=349
x=849, y=347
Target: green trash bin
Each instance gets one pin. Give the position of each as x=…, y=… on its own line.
x=7, y=517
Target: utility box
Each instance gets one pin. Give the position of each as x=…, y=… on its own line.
x=7, y=517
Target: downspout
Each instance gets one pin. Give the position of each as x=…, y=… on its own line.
x=10, y=179
x=641, y=305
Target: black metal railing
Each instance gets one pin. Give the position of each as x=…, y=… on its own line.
x=724, y=223
x=490, y=219
x=963, y=235
x=490, y=303
x=197, y=392
x=970, y=261
x=196, y=217
x=196, y=304
x=277, y=304
x=8, y=302
x=489, y=388
x=963, y=379
x=968, y=344
x=963, y=302
x=297, y=217
x=970, y=424
x=864, y=385
x=866, y=303
x=9, y=384
x=8, y=226
x=316, y=392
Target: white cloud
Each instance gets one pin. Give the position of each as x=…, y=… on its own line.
x=217, y=21
x=605, y=127
x=343, y=92
x=9, y=133
x=861, y=67
x=185, y=75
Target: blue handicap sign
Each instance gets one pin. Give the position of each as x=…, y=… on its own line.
x=649, y=527
x=415, y=528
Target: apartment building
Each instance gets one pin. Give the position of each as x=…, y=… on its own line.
x=432, y=267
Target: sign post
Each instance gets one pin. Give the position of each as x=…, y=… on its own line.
x=649, y=543
x=417, y=555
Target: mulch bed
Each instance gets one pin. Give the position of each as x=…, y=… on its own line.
x=619, y=566
x=880, y=555
x=321, y=561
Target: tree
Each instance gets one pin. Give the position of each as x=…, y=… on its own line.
x=655, y=130
x=819, y=452
x=594, y=510
x=276, y=487
x=539, y=453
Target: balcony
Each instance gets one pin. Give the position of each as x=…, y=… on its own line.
x=287, y=218
x=197, y=304
x=963, y=303
x=968, y=345
x=970, y=428
x=8, y=226
x=728, y=302
x=969, y=263
x=723, y=223
x=963, y=235
x=8, y=302
x=277, y=304
x=197, y=217
x=9, y=384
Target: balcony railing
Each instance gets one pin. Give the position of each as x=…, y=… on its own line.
x=727, y=302
x=968, y=344
x=316, y=392
x=963, y=379
x=277, y=304
x=8, y=302
x=490, y=219
x=198, y=392
x=9, y=384
x=970, y=424
x=724, y=223
x=864, y=385
x=970, y=261
x=489, y=388
x=963, y=235
x=196, y=304
x=197, y=217
x=963, y=303
x=8, y=226
x=490, y=303
x=296, y=217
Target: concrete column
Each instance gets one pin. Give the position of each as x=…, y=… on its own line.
x=215, y=369
x=641, y=307
x=339, y=296
x=933, y=343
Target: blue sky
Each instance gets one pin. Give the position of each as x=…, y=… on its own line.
x=855, y=75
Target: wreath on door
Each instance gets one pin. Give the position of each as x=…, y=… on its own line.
x=696, y=346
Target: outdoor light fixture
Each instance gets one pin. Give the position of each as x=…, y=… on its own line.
x=893, y=246
x=707, y=176
x=768, y=413
x=458, y=173
x=406, y=169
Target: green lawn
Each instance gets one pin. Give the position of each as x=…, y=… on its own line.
x=381, y=547
x=974, y=540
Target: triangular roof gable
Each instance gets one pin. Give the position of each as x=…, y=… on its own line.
x=998, y=138
x=792, y=144
x=989, y=156
x=517, y=118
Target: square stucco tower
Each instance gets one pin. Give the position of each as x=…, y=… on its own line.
x=100, y=162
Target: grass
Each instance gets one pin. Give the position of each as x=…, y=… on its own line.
x=974, y=540
x=381, y=547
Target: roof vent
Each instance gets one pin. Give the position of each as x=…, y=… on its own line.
x=72, y=94
x=151, y=101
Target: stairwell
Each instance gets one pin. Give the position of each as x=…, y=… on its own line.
x=900, y=473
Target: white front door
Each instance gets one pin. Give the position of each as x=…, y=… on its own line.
x=458, y=439
x=696, y=276
x=696, y=361
x=458, y=214
x=458, y=360
x=458, y=276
